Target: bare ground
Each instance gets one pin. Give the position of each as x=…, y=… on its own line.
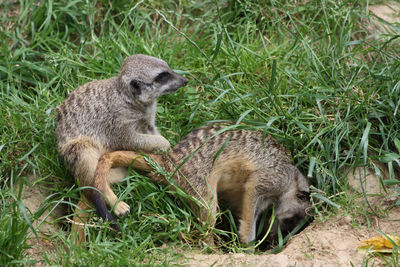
x=330, y=243
x=389, y=11
x=34, y=196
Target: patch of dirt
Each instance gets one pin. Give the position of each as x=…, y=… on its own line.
x=33, y=197
x=330, y=243
x=389, y=11
x=370, y=181
x=373, y=28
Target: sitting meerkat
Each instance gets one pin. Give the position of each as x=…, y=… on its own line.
x=248, y=171
x=114, y=114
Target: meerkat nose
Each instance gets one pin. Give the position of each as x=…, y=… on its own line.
x=185, y=81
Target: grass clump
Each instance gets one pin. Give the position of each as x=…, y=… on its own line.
x=311, y=74
x=13, y=232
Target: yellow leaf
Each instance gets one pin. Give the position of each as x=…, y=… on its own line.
x=379, y=243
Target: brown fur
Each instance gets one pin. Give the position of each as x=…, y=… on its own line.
x=250, y=173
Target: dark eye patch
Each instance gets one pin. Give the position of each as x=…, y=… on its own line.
x=303, y=195
x=135, y=87
x=162, y=77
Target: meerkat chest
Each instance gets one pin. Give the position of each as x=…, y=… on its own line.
x=146, y=127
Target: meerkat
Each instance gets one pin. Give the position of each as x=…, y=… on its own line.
x=247, y=170
x=114, y=114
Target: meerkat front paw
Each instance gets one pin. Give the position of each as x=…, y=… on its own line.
x=163, y=145
x=121, y=208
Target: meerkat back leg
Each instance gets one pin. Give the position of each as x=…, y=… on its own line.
x=82, y=155
x=247, y=227
x=120, y=207
x=115, y=176
x=119, y=161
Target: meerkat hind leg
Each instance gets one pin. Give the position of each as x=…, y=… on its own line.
x=115, y=176
x=119, y=207
x=118, y=161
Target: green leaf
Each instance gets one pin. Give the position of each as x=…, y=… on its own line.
x=397, y=144
x=389, y=157
x=326, y=200
x=311, y=167
x=391, y=182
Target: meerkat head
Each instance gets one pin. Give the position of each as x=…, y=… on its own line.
x=292, y=205
x=146, y=78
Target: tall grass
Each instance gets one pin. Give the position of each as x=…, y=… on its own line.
x=312, y=74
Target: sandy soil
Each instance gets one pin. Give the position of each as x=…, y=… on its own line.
x=389, y=11
x=330, y=243
x=33, y=196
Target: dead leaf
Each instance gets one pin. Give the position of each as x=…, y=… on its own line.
x=379, y=244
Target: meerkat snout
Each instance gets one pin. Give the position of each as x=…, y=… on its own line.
x=292, y=207
x=169, y=81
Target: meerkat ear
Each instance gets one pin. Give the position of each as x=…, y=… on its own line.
x=135, y=87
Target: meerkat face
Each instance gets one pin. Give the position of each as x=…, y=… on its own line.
x=148, y=78
x=292, y=205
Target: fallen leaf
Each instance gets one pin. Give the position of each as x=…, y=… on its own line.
x=379, y=244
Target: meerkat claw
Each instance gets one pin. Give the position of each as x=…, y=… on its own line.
x=122, y=209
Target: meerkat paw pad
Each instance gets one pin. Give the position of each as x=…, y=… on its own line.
x=121, y=209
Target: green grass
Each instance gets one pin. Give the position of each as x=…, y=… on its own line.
x=313, y=74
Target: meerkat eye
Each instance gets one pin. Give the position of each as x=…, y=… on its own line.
x=303, y=195
x=162, y=77
x=135, y=87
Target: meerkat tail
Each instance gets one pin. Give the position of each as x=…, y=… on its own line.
x=105, y=163
x=102, y=210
